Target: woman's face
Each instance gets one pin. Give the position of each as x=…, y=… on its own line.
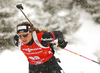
x=25, y=39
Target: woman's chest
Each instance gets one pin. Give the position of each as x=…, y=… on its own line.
x=35, y=50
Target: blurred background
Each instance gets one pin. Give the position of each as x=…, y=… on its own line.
x=63, y=15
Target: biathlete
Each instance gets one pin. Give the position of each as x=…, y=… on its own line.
x=36, y=46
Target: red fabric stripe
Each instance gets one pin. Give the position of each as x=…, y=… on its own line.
x=53, y=36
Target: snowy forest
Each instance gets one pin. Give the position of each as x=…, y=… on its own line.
x=78, y=20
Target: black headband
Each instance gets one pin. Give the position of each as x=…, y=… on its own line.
x=23, y=28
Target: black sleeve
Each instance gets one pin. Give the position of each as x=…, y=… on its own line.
x=48, y=37
x=58, y=35
x=16, y=40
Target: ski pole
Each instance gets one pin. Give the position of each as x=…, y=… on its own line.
x=82, y=56
x=20, y=7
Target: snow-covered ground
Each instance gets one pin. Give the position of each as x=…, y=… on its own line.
x=87, y=42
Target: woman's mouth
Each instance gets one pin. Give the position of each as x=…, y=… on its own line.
x=24, y=41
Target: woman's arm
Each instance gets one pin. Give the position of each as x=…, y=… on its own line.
x=16, y=40
x=48, y=37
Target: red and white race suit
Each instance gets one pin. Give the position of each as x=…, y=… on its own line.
x=35, y=54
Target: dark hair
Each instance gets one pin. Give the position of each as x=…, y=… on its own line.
x=32, y=27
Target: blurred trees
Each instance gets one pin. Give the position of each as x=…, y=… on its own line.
x=91, y=6
x=54, y=6
x=45, y=14
x=7, y=13
x=56, y=15
x=51, y=15
x=63, y=16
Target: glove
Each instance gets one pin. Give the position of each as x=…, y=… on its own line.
x=62, y=43
x=16, y=40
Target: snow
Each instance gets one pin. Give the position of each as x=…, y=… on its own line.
x=86, y=45
x=13, y=62
x=87, y=42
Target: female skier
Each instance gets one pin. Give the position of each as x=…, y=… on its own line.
x=37, y=47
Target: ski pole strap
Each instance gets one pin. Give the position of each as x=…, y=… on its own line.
x=82, y=56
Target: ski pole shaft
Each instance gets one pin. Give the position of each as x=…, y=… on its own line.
x=82, y=56
x=26, y=16
x=20, y=7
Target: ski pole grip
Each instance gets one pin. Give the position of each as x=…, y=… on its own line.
x=19, y=6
